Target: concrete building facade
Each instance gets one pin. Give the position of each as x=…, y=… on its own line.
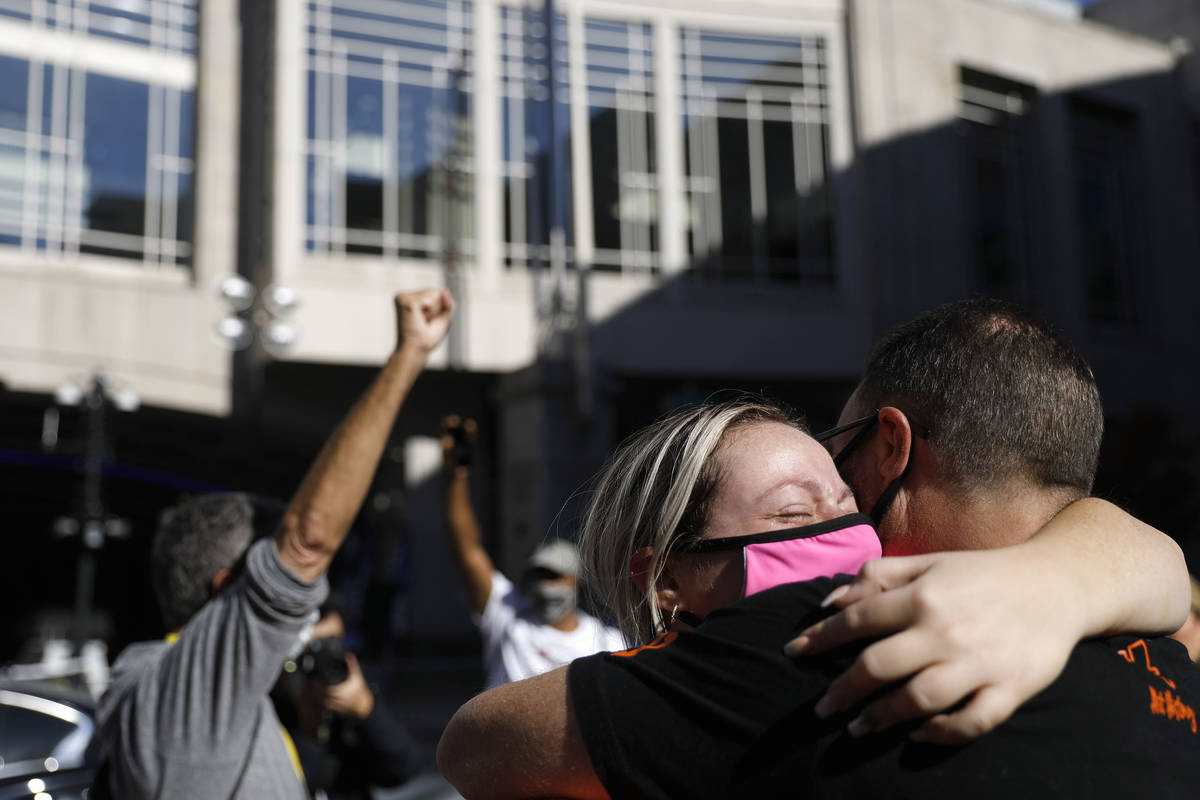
x=644, y=200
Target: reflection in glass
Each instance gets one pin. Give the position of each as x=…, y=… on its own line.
x=526, y=129
x=365, y=156
x=388, y=157
x=114, y=158
x=166, y=25
x=620, y=90
x=756, y=119
x=14, y=79
x=996, y=130
x=94, y=164
x=1105, y=141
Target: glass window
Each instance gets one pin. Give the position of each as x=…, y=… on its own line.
x=620, y=92
x=111, y=170
x=91, y=163
x=114, y=164
x=389, y=159
x=364, y=162
x=994, y=116
x=526, y=130
x=168, y=25
x=1104, y=141
x=14, y=82
x=26, y=735
x=756, y=120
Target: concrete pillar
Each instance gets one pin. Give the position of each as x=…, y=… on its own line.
x=217, y=121
x=217, y=118
x=288, y=132
x=668, y=143
x=548, y=450
x=489, y=208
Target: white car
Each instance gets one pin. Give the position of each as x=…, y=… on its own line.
x=47, y=747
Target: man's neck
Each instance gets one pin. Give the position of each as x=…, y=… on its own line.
x=951, y=519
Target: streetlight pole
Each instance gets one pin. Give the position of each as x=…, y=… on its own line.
x=453, y=198
x=555, y=194
x=567, y=309
x=95, y=404
x=93, y=524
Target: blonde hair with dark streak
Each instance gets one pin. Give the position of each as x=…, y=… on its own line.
x=655, y=492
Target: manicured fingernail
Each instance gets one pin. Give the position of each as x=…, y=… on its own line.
x=861, y=725
x=828, y=705
x=834, y=595
x=796, y=646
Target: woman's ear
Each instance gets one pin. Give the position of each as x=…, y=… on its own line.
x=895, y=432
x=639, y=567
x=666, y=588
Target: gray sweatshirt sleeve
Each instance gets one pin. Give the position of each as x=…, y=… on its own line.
x=197, y=704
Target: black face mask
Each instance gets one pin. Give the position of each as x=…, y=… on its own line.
x=889, y=494
x=867, y=423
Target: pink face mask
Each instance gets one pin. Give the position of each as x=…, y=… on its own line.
x=774, y=558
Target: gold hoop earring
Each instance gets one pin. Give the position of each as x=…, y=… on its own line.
x=674, y=614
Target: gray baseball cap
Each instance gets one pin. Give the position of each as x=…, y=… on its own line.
x=558, y=556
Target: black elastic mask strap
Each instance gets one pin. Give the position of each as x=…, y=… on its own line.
x=889, y=494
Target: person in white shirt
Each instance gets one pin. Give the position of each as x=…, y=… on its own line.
x=530, y=629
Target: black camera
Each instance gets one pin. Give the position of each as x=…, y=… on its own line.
x=463, y=448
x=325, y=660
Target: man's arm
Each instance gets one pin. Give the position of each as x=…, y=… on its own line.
x=319, y=515
x=519, y=740
x=995, y=625
x=462, y=529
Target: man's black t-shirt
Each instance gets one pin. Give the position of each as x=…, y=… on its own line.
x=720, y=712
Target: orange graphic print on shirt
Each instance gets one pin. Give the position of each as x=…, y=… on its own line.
x=1163, y=702
x=661, y=641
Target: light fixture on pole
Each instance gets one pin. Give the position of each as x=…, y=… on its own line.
x=263, y=317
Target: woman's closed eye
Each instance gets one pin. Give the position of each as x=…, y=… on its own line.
x=794, y=513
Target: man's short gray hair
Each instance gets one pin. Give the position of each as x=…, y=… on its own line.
x=195, y=540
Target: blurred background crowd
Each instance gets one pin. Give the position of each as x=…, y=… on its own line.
x=637, y=206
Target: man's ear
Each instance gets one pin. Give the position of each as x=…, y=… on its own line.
x=666, y=589
x=895, y=433
x=223, y=578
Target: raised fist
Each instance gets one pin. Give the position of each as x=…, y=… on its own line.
x=422, y=318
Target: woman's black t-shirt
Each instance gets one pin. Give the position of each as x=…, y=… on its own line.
x=721, y=712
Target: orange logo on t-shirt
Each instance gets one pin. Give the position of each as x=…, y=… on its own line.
x=662, y=641
x=1164, y=703
x=1140, y=645
x=1168, y=705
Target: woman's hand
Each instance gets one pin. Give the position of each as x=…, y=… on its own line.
x=995, y=627
x=986, y=626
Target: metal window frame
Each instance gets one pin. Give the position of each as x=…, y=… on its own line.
x=61, y=37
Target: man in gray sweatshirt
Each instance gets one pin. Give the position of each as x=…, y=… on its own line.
x=189, y=716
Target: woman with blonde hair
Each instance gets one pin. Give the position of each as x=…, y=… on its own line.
x=667, y=489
